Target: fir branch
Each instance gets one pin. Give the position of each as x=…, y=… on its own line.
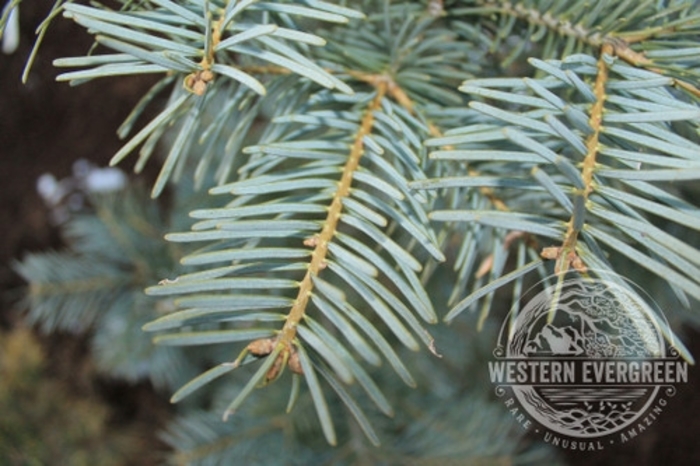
x=629, y=33
x=549, y=143
x=206, y=48
x=350, y=201
x=559, y=24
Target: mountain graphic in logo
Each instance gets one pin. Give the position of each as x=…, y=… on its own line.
x=555, y=341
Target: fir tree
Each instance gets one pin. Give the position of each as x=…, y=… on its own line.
x=373, y=168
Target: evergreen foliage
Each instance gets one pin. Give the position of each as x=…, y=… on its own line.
x=115, y=251
x=371, y=164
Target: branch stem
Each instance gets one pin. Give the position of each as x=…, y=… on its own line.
x=620, y=43
x=330, y=226
x=567, y=256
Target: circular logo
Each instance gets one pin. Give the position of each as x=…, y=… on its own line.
x=586, y=358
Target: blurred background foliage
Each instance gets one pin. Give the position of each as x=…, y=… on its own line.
x=46, y=420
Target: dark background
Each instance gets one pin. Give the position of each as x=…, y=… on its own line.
x=45, y=126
